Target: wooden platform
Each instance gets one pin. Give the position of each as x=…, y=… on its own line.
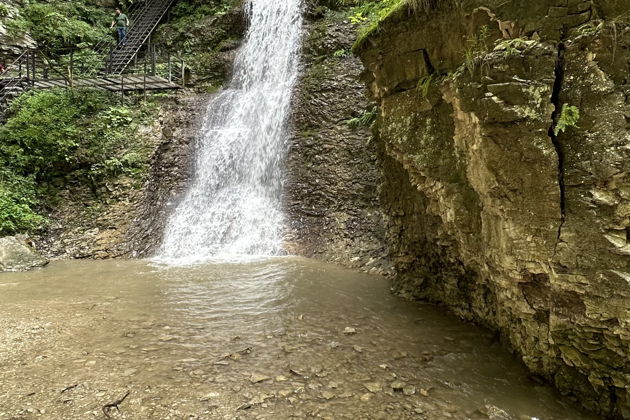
x=125, y=83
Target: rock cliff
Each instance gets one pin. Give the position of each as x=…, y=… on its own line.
x=333, y=173
x=506, y=129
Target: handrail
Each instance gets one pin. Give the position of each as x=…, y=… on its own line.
x=14, y=63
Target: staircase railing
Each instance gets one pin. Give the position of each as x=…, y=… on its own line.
x=143, y=25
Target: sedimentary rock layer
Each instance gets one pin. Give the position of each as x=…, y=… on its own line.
x=501, y=205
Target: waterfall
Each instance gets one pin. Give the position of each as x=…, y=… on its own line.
x=234, y=203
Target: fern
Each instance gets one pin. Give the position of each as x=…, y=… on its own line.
x=569, y=116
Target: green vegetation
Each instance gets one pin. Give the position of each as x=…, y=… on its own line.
x=365, y=119
x=53, y=138
x=569, y=117
x=424, y=84
x=370, y=14
x=56, y=25
x=476, y=46
x=188, y=14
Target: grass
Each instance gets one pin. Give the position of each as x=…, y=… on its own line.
x=377, y=12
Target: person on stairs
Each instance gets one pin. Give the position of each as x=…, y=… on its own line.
x=122, y=22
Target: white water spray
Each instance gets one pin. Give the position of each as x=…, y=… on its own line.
x=234, y=205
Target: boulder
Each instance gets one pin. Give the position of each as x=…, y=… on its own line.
x=17, y=255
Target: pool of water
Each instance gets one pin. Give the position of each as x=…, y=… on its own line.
x=282, y=338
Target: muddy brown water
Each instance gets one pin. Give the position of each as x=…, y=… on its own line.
x=286, y=338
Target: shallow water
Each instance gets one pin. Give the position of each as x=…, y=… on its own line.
x=251, y=340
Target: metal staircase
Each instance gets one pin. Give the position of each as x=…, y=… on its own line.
x=120, y=69
x=144, y=22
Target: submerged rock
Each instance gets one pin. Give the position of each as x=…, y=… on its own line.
x=17, y=255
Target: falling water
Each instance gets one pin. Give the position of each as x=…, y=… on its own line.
x=234, y=205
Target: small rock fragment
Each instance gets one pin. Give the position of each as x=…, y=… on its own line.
x=327, y=395
x=409, y=390
x=366, y=397
x=373, y=386
x=349, y=331
x=398, y=386
x=256, y=378
x=209, y=396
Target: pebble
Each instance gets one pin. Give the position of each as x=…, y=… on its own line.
x=373, y=386
x=349, y=331
x=398, y=386
x=328, y=395
x=209, y=396
x=358, y=349
x=256, y=378
x=165, y=337
x=409, y=390
x=366, y=397
x=129, y=372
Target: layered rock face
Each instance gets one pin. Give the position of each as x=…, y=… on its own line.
x=501, y=205
x=333, y=175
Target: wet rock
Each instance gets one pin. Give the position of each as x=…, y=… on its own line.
x=332, y=177
x=17, y=255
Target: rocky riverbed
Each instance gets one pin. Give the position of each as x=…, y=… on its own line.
x=277, y=339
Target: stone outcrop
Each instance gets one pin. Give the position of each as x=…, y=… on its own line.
x=17, y=255
x=501, y=206
x=332, y=168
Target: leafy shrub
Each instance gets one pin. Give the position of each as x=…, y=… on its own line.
x=17, y=200
x=57, y=136
x=60, y=24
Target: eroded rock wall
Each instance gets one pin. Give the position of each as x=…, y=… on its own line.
x=333, y=175
x=494, y=210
